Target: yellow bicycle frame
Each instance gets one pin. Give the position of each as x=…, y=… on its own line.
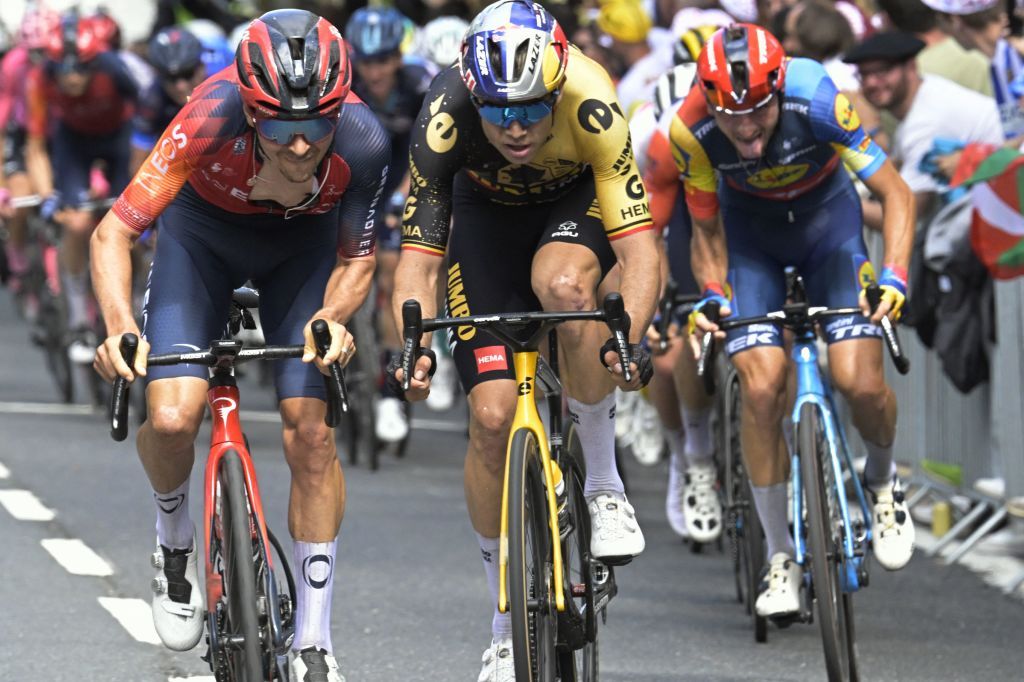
x=527, y=417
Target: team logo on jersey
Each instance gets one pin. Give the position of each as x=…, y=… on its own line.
x=865, y=271
x=441, y=130
x=778, y=176
x=846, y=115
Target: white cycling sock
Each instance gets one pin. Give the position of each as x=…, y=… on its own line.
x=314, y=584
x=771, y=502
x=677, y=448
x=174, y=528
x=501, y=623
x=700, y=447
x=76, y=288
x=880, y=467
x=597, y=436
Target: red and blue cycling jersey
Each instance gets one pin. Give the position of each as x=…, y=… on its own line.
x=818, y=128
x=105, y=107
x=211, y=146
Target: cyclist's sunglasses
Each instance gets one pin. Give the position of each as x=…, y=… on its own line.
x=526, y=114
x=284, y=130
x=180, y=75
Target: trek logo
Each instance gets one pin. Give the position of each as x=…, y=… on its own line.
x=848, y=328
x=490, y=359
x=757, y=335
x=312, y=564
x=229, y=406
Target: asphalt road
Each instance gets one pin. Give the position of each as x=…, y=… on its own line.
x=410, y=601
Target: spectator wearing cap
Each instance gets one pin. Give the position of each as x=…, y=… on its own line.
x=627, y=25
x=943, y=55
x=982, y=25
x=926, y=108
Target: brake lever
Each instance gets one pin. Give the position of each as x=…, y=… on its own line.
x=892, y=339
x=128, y=347
x=337, y=392
x=412, y=330
x=618, y=322
x=712, y=311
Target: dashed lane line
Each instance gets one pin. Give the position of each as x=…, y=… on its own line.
x=76, y=557
x=24, y=506
x=135, y=616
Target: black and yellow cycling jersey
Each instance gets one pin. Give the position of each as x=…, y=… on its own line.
x=589, y=131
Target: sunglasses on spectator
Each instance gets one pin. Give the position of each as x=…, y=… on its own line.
x=526, y=114
x=284, y=130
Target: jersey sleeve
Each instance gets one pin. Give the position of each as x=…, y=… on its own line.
x=700, y=181
x=602, y=136
x=435, y=155
x=210, y=118
x=835, y=121
x=364, y=145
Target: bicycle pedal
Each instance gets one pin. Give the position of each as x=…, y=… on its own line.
x=784, y=621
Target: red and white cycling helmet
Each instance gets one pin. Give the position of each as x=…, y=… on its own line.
x=741, y=68
x=38, y=26
x=74, y=43
x=293, y=64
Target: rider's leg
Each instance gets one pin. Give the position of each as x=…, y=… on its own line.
x=74, y=257
x=19, y=186
x=856, y=368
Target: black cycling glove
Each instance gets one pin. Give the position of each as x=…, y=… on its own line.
x=638, y=354
x=393, y=384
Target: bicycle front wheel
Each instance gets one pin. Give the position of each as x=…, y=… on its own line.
x=531, y=600
x=825, y=547
x=241, y=619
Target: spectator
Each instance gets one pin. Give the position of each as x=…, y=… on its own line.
x=942, y=55
x=627, y=24
x=923, y=107
x=981, y=25
x=817, y=30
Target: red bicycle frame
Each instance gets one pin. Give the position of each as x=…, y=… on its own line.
x=227, y=435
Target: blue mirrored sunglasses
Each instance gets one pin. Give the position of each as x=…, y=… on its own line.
x=283, y=131
x=525, y=114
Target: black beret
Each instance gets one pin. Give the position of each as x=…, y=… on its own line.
x=890, y=46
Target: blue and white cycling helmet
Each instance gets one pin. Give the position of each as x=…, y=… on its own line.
x=514, y=51
x=217, y=53
x=441, y=40
x=375, y=32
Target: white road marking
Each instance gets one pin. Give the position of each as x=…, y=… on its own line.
x=24, y=506
x=4, y=472
x=45, y=408
x=135, y=616
x=76, y=557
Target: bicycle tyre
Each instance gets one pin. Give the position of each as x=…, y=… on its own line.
x=51, y=335
x=829, y=600
x=241, y=615
x=529, y=568
x=577, y=625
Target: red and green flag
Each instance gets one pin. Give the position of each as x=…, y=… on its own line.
x=996, y=178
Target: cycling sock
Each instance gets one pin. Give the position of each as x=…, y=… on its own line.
x=677, y=448
x=314, y=584
x=772, y=508
x=699, y=445
x=77, y=289
x=174, y=528
x=501, y=623
x=597, y=436
x=880, y=467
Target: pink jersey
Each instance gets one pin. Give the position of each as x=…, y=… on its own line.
x=13, y=75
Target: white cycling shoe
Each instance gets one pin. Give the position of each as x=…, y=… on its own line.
x=779, y=594
x=313, y=665
x=648, y=442
x=703, y=509
x=615, y=536
x=497, y=662
x=892, y=527
x=392, y=425
x=675, y=510
x=178, y=607
x=443, y=385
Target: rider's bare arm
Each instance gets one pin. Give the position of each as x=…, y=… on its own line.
x=898, y=213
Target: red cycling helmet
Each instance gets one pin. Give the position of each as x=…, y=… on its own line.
x=38, y=27
x=293, y=64
x=106, y=29
x=741, y=68
x=74, y=42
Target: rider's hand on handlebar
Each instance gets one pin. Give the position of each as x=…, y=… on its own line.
x=6, y=210
x=893, y=284
x=419, y=387
x=109, y=363
x=342, y=348
x=699, y=324
x=639, y=364
x=654, y=338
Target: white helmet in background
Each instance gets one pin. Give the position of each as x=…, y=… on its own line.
x=441, y=40
x=673, y=86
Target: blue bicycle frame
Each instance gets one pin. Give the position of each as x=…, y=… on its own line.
x=811, y=389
